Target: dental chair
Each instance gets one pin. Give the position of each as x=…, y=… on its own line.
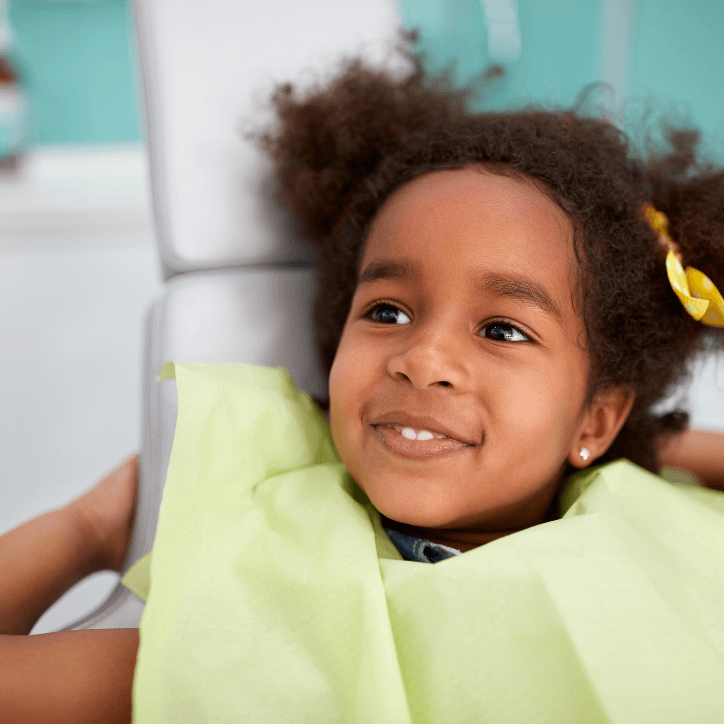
x=238, y=281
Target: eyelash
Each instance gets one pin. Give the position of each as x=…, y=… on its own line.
x=376, y=306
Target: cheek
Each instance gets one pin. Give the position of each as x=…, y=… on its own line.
x=543, y=411
x=536, y=405
x=354, y=381
x=344, y=390
x=336, y=401
x=352, y=374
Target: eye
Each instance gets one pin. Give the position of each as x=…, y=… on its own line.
x=388, y=314
x=503, y=332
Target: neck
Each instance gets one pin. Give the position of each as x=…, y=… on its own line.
x=465, y=539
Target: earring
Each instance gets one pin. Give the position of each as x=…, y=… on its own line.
x=584, y=453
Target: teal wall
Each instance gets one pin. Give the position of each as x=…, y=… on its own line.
x=559, y=49
x=678, y=59
x=78, y=59
x=676, y=53
x=77, y=64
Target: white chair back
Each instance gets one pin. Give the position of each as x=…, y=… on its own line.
x=208, y=70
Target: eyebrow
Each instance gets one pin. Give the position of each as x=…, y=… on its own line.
x=387, y=269
x=519, y=288
x=499, y=285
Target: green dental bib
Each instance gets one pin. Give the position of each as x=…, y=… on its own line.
x=274, y=595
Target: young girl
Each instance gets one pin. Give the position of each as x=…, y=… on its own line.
x=497, y=308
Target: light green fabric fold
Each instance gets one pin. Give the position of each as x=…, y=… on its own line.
x=277, y=597
x=138, y=577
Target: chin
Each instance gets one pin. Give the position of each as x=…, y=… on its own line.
x=417, y=513
x=420, y=501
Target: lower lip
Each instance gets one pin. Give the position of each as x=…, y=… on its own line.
x=437, y=447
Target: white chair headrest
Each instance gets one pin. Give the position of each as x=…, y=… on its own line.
x=208, y=68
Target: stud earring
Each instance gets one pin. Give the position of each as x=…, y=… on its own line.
x=584, y=453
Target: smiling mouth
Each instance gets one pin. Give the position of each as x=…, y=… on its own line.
x=411, y=442
x=425, y=427
x=410, y=433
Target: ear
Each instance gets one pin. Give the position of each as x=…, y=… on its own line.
x=601, y=423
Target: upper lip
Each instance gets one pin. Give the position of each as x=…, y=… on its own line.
x=422, y=422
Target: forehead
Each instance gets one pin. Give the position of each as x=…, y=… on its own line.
x=500, y=218
x=453, y=227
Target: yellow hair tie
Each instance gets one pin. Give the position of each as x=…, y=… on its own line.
x=700, y=297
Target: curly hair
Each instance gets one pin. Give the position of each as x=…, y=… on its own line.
x=341, y=150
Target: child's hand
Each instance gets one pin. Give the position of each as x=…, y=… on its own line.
x=106, y=511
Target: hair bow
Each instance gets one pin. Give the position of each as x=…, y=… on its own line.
x=700, y=297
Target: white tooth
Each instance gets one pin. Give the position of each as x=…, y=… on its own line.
x=409, y=433
x=425, y=435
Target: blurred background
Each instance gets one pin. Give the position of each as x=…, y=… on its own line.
x=78, y=255
x=78, y=263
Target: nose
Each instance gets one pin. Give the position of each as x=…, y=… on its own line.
x=431, y=357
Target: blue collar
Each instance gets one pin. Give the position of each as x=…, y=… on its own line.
x=416, y=549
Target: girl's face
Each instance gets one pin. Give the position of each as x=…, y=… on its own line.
x=462, y=335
